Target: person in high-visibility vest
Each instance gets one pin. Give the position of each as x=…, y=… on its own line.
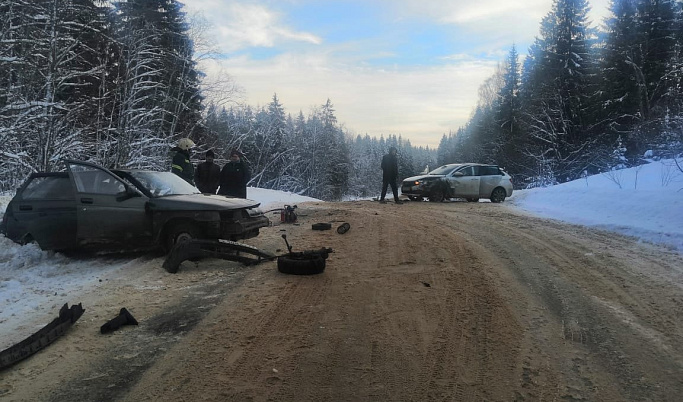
x=181, y=164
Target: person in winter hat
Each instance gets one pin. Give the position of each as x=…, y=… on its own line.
x=234, y=176
x=389, y=175
x=208, y=174
x=181, y=164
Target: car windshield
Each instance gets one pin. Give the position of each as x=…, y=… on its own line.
x=160, y=184
x=444, y=170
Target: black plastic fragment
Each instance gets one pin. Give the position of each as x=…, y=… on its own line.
x=225, y=249
x=124, y=318
x=42, y=338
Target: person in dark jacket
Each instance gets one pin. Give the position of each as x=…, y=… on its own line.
x=234, y=176
x=207, y=175
x=181, y=164
x=389, y=175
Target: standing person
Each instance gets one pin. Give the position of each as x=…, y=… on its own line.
x=234, y=176
x=208, y=174
x=181, y=164
x=389, y=175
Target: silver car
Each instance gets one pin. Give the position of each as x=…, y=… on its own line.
x=470, y=181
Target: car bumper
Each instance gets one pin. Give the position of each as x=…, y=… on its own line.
x=243, y=228
x=413, y=190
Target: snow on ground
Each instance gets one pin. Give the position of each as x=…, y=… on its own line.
x=36, y=283
x=645, y=202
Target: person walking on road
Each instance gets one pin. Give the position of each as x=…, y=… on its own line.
x=234, y=176
x=208, y=174
x=389, y=175
x=181, y=164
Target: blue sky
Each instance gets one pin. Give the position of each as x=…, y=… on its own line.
x=406, y=67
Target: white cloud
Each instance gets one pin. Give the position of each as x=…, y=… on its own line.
x=240, y=25
x=420, y=104
x=482, y=12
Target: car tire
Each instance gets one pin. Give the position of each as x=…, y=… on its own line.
x=498, y=195
x=436, y=195
x=26, y=239
x=472, y=199
x=180, y=232
x=343, y=228
x=304, y=265
x=321, y=226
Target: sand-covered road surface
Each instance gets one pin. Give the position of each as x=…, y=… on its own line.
x=450, y=301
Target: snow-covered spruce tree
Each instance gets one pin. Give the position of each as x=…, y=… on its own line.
x=406, y=159
x=159, y=87
x=558, y=93
x=49, y=74
x=300, y=169
x=268, y=146
x=620, y=94
x=334, y=154
x=640, y=72
x=508, y=118
x=365, y=178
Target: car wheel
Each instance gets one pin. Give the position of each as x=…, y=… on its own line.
x=321, y=226
x=472, y=199
x=304, y=265
x=180, y=233
x=436, y=195
x=27, y=239
x=498, y=195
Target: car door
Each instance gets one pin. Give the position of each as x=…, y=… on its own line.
x=106, y=213
x=44, y=210
x=464, y=182
x=490, y=177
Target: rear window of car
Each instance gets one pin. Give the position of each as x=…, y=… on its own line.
x=489, y=171
x=48, y=188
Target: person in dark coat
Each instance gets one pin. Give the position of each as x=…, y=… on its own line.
x=207, y=175
x=234, y=176
x=181, y=164
x=389, y=175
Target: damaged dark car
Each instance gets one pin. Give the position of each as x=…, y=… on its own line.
x=88, y=206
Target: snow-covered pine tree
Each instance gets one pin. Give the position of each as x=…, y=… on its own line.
x=49, y=79
x=159, y=87
x=557, y=95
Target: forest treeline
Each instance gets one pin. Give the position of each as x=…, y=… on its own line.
x=583, y=100
x=118, y=83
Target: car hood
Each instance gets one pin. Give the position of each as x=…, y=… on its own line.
x=200, y=202
x=424, y=176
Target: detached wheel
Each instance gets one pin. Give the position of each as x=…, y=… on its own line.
x=181, y=233
x=321, y=226
x=304, y=265
x=498, y=195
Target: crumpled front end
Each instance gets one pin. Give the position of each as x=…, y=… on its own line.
x=419, y=186
x=242, y=224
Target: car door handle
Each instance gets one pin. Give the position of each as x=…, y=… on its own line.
x=86, y=200
x=25, y=208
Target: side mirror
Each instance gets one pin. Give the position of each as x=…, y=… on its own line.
x=458, y=174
